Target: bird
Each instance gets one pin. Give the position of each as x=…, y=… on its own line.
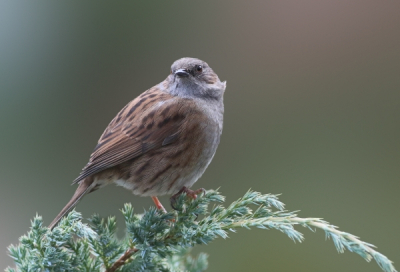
x=162, y=141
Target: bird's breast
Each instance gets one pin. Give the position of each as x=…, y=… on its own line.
x=180, y=161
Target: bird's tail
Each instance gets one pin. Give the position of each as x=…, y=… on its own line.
x=84, y=187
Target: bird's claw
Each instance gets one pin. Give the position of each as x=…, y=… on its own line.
x=190, y=193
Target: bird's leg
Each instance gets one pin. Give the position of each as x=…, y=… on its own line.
x=158, y=204
x=190, y=193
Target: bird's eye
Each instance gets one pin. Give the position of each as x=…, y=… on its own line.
x=198, y=68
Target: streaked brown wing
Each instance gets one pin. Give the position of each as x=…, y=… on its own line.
x=150, y=121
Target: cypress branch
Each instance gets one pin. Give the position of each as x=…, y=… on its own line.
x=157, y=241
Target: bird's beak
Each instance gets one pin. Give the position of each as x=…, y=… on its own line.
x=182, y=73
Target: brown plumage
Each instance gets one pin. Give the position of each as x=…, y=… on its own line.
x=162, y=141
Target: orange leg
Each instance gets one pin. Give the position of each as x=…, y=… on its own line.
x=158, y=204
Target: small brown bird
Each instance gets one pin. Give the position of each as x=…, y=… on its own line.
x=162, y=141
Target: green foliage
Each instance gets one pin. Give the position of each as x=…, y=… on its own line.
x=157, y=241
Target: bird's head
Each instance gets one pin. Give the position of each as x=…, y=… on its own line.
x=192, y=77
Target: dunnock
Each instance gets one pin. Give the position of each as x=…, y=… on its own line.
x=162, y=141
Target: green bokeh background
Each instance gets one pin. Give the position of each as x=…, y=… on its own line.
x=312, y=111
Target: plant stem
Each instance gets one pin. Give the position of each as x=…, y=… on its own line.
x=121, y=261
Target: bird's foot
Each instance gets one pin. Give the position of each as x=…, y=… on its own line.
x=190, y=193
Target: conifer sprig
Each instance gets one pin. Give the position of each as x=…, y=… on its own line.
x=157, y=241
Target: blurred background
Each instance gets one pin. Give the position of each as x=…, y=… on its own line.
x=312, y=112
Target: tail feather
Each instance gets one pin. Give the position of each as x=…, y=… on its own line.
x=84, y=187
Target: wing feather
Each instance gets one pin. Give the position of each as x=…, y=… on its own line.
x=144, y=124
